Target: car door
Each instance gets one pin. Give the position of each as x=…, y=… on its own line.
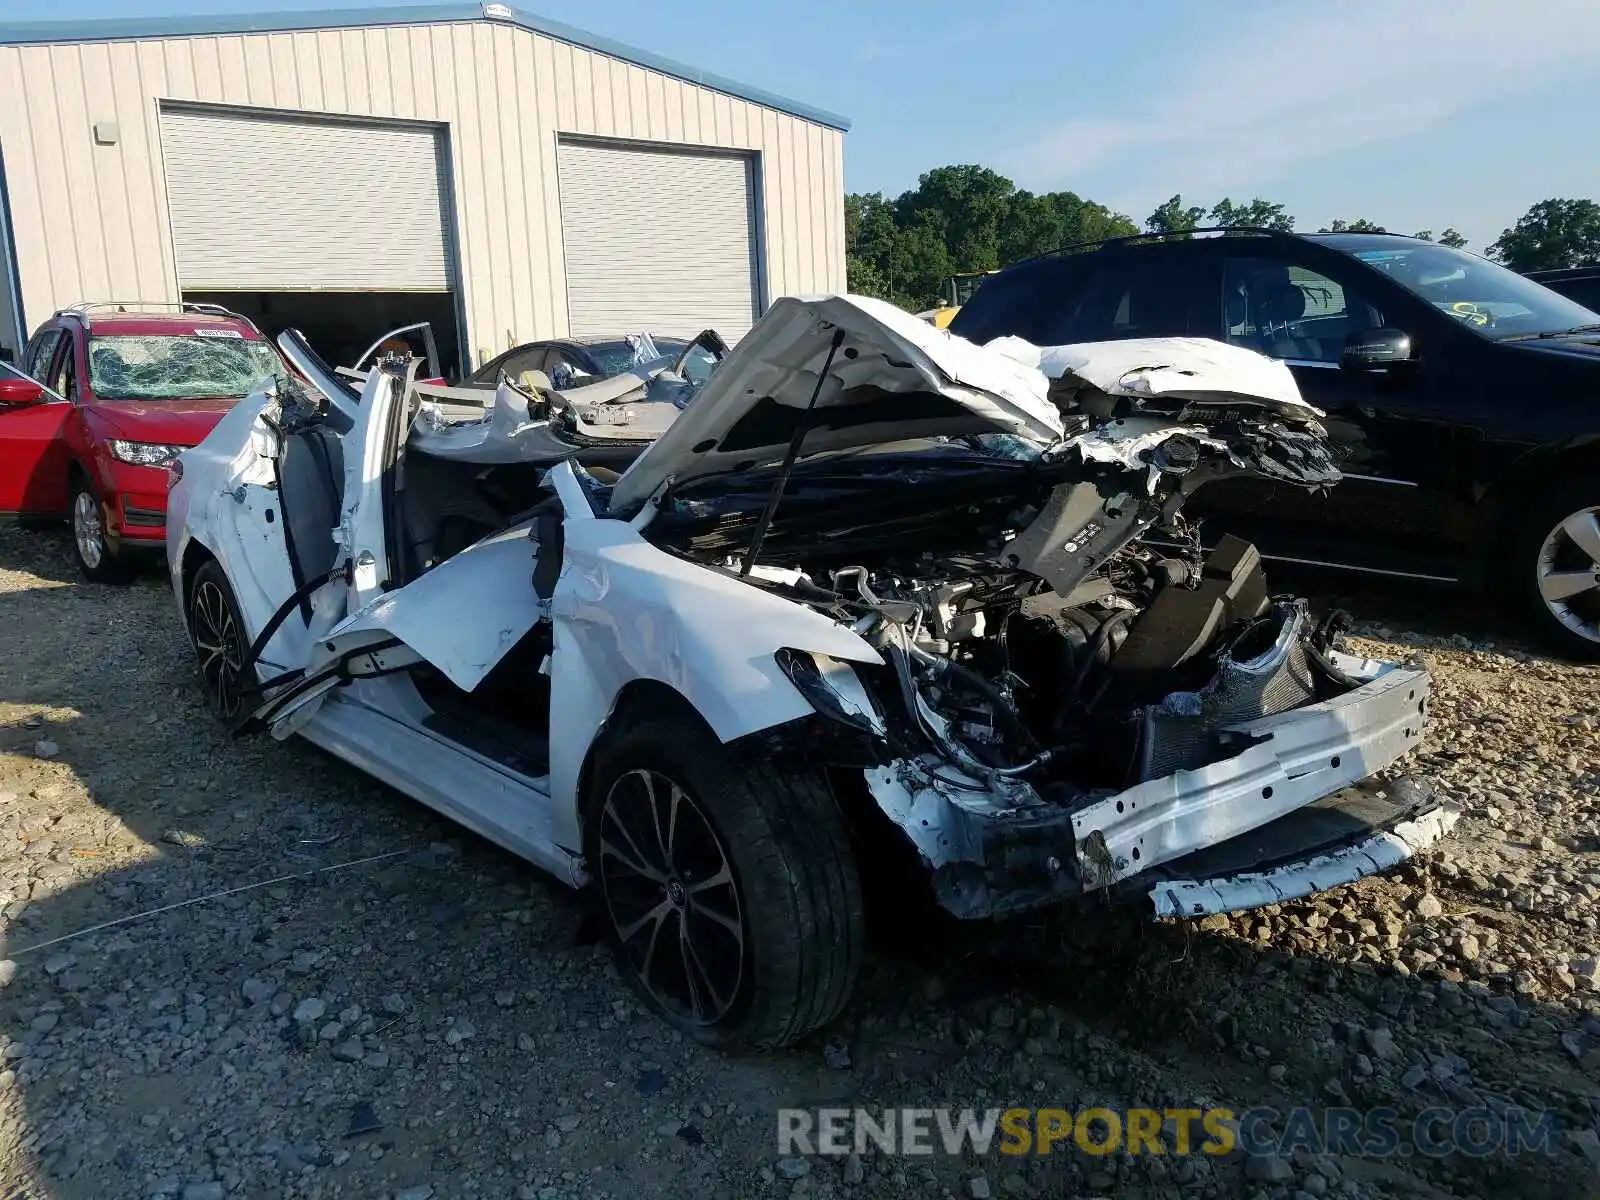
x=1389, y=426
x=33, y=421
x=417, y=340
x=397, y=622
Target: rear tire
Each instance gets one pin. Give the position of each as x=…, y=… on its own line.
x=96, y=562
x=1554, y=572
x=739, y=919
x=217, y=635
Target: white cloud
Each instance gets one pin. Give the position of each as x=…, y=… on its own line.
x=1295, y=83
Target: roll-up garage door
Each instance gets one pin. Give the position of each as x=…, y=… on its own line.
x=657, y=240
x=301, y=204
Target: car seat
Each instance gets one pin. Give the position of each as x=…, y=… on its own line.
x=1262, y=306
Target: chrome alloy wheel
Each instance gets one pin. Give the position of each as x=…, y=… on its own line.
x=217, y=645
x=1569, y=573
x=671, y=896
x=88, y=531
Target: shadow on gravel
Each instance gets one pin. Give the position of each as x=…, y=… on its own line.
x=438, y=1019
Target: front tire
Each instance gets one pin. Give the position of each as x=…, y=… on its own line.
x=218, y=637
x=726, y=885
x=96, y=562
x=1555, y=557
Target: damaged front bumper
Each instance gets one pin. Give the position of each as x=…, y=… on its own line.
x=1280, y=818
x=1304, y=874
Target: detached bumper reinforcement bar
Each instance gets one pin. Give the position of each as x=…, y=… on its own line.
x=1299, y=756
x=1385, y=848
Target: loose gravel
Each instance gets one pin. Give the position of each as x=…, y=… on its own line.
x=438, y=1020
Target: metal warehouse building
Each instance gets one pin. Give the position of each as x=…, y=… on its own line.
x=506, y=177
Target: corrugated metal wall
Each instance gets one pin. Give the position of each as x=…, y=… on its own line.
x=91, y=221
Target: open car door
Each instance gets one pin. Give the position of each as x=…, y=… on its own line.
x=409, y=335
x=393, y=628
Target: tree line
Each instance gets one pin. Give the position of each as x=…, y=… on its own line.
x=968, y=218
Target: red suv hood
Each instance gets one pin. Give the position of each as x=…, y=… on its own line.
x=168, y=422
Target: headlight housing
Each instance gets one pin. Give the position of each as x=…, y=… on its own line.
x=144, y=454
x=832, y=688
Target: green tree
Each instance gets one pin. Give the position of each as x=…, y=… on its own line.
x=1174, y=217
x=966, y=205
x=1257, y=214
x=1553, y=233
x=1038, y=224
x=1452, y=239
x=870, y=235
x=1423, y=235
x=1359, y=225
x=920, y=264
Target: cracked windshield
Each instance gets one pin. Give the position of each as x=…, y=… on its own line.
x=184, y=367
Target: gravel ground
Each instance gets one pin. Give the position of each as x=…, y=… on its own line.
x=441, y=1023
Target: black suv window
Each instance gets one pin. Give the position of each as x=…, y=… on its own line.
x=1039, y=303
x=1090, y=299
x=1291, y=312
x=1156, y=296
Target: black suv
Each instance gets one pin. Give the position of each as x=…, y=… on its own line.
x=1464, y=398
x=1575, y=283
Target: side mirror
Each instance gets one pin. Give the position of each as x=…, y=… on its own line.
x=19, y=389
x=1375, y=350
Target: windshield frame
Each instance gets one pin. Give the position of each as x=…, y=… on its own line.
x=107, y=389
x=1548, y=312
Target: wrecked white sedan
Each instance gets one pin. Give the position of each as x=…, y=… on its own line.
x=875, y=586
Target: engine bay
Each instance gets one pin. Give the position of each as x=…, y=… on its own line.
x=1032, y=633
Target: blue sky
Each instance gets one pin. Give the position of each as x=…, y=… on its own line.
x=1421, y=114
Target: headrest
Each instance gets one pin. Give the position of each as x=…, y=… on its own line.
x=1283, y=303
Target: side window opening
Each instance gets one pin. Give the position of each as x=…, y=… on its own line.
x=65, y=381
x=513, y=365
x=1156, y=297
x=40, y=354
x=1292, y=312
x=1039, y=305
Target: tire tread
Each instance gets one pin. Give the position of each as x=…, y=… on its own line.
x=797, y=875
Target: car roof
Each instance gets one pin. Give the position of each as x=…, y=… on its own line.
x=137, y=324
x=1209, y=236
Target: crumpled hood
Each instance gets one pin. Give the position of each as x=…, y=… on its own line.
x=1178, y=368
x=165, y=422
x=893, y=377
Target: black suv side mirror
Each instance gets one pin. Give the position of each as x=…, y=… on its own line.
x=1375, y=350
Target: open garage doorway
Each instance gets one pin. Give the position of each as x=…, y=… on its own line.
x=337, y=256
x=340, y=325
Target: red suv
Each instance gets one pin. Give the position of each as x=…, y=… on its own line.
x=117, y=390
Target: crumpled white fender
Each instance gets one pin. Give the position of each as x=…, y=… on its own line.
x=1180, y=368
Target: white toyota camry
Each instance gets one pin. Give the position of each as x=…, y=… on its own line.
x=876, y=599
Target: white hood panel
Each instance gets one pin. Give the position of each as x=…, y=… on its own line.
x=1182, y=368
x=951, y=386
